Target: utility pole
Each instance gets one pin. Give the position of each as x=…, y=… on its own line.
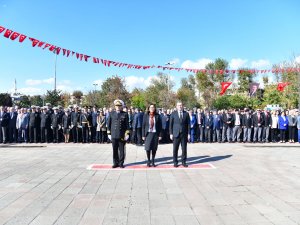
x=55, y=62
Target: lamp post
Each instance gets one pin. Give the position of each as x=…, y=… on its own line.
x=168, y=79
x=55, y=62
x=94, y=96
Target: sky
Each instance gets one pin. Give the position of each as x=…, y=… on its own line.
x=255, y=34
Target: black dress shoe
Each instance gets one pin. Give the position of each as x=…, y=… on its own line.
x=114, y=166
x=185, y=165
x=122, y=166
x=175, y=165
x=148, y=164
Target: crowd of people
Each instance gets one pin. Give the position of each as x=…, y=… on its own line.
x=89, y=125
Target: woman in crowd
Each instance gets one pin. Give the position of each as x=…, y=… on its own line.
x=274, y=126
x=283, y=126
x=66, y=125
x=292, y=126
x=101, y=128
x=151, y=132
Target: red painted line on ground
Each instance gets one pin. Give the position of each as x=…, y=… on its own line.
x=144, y=167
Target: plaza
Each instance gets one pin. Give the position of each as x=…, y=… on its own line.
x=255, y=184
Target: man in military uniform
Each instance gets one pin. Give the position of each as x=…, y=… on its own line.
x=118, y=133
x=45, y=125
x=33, y=124
x=74, y=124
x=56, y=124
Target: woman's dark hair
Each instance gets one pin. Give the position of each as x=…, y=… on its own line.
x=148, y=108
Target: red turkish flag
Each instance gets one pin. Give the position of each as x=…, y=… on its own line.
x=22, y=37
x=64, y=51
x=68, y=52
x=95, y=60
x=34, y=41
x=225, y=85
x=57, y=50
x=14, y=35
x=41, y=44
x=73, y=53
x=282, y=85
x=2, y=29
x=81, y=56
x=52, y=47
x=86, y=57
x=77, y=55
x=7, y=33
x=46, y=45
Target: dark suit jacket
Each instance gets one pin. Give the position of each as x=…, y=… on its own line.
x=45, y=120
x=146, y=125
x=177, y=126
x=208, y=121
x=5, y=119
x=227, y=118
x=12, y=121
x=117, y=124
x=165, y=119
x=255, y=120
x=248, y=123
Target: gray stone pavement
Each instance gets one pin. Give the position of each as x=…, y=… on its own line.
x=50, y=184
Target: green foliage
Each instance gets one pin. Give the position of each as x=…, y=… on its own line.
x=245, y=77
x=5, y=99
x=53, y=97
x=186, y=93
x=160, y=92
x=231, y=102
x=24, y=102
x=138, y=98
x=36, y=100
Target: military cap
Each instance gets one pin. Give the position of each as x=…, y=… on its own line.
x=118, y=102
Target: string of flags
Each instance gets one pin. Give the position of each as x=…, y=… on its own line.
x=13, y=35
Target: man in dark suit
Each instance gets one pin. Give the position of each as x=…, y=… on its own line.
x=217, y=124
x=4, y=121
x=12, y=125
x=138, y=122
x=180, y=133
x=118, y=133
x=165, y=120
x=247, y=125
x=93, y=124
x=258, y=122
x=74, y=124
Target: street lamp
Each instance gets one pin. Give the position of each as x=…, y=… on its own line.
x=168, y=81
x=55, y=62
x=95, y=85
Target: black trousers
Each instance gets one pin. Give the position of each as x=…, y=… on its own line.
x=44, y=134
x=274, y=135
x=12, y=134
x=93, y=133
x=118, y=151
x=139, y=136
x=282, y=135
x=55, y=134
x=292, y=130
x=33, y=134
x=181, y=139
x=75, y=134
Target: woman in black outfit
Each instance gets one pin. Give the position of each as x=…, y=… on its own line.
x=151, y=132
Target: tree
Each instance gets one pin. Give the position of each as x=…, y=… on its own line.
x=231, y=102
x=160, y=92
x=186, y=93
x=24, y=101
x=245, y=77
x=53, y=97
x=36, y=100
x=112, y=88
x=138, y=98
x=5, y=99
x=77, y=95
x=65, y=99
x=209, y=83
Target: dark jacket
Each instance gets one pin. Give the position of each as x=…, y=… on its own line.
x=257, y=121
x=138, y=120
x=4, y=119
x=75, y=118
x=227, y=120
x=66, y=121
x=146, y=124
x=45, y=120
x=217, y=122
x=55, y=120
x=34, y=119
x=165, y=120
x=267, y=119
x=247, y=122
x=117, y=124
x=177, y=126
x=208, y=121
x=94, y=118
x=12, y=119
